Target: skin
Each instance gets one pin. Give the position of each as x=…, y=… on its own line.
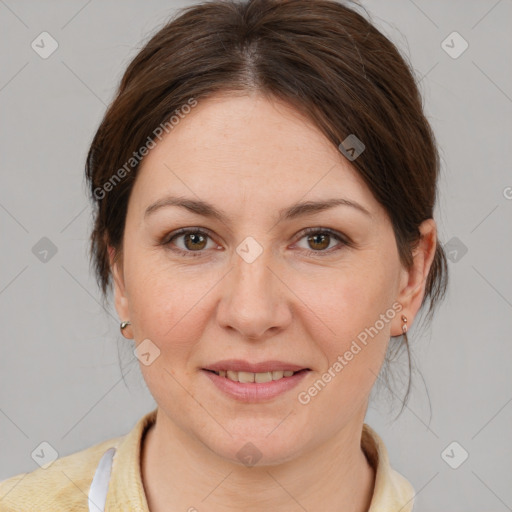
x=250, y=157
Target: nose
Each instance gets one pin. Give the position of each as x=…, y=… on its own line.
x=254, y=301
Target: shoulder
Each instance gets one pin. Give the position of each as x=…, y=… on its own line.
x=63, y=485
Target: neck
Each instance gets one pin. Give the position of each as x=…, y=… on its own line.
x=178, y=469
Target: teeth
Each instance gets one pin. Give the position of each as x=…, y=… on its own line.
x=254, y=377
x=263, y=377
x=246, y=377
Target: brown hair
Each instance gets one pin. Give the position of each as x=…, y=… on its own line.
x=322, y=58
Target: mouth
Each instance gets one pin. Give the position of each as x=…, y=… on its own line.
x=259, y=378
x=254, y=382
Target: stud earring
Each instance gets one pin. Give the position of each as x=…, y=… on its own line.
x=123, y=326
x=404, y=326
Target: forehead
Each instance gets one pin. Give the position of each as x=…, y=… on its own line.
x=232, y=147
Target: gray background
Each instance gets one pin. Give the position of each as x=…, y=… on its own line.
x=60, y=377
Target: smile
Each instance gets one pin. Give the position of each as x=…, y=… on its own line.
x=254, y=377
x=254, y=387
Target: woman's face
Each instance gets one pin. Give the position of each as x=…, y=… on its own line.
x=254, y=286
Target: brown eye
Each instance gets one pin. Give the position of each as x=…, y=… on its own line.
x=194, y=241
x=319, y=241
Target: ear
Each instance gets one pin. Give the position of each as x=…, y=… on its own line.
x=414, y=280
x=120, y=298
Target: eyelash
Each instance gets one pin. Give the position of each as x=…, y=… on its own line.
x=308, y=231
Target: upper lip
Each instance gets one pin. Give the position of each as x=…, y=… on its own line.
x=239, y=365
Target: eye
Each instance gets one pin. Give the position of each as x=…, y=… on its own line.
x=320, y=239
x=194, y=241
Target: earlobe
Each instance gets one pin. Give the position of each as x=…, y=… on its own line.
x=412, y=293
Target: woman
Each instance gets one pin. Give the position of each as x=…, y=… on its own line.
x=264, y=185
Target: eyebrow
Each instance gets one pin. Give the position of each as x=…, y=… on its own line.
x=292, y=212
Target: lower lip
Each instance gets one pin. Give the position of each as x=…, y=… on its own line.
x=255, y=391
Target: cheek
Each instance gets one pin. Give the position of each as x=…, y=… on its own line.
x=166, y=301
x=353, y=300
x=357, y=308
x=353, y=348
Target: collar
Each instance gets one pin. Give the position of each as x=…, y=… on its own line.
x=126, y=491
x=392, y=491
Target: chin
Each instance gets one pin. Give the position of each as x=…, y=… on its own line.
x=257, y=443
